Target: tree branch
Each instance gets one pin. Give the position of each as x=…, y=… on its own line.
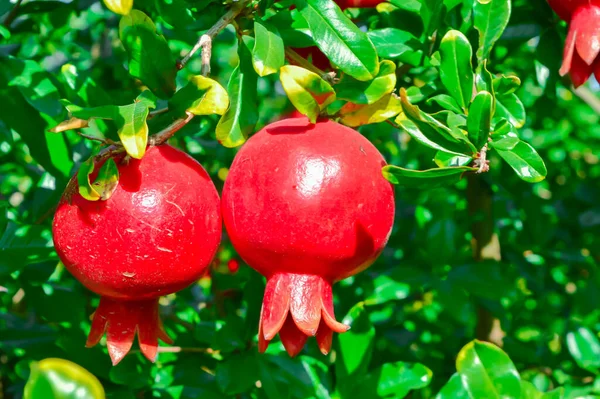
x=205, y=41
x=588, y=97
x=12, y=15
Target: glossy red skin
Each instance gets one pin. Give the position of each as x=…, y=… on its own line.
x=582, y=46
x=358, y=3
x=155, y=235
x=565, y=8
x=306, y=205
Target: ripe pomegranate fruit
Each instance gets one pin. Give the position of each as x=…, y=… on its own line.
x=154, y=236
x=580, y=57
x=306, y=205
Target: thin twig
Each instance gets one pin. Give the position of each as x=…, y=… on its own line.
x=205, y=41
x=12, y=15
x=94, y=138
x=152, y=114
x=482, y=163
x=303, y=62
x=588, y=97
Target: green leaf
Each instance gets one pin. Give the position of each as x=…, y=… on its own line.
x=105, y=183
x=430, y=132
x=309, y=93
x=510, y=107
x=201, y=96
x=490, y=19
x=269, y=52
x=392, y=43
x=480, y=118
x=340, y=39
x=61, y=379
x=370, y=91
x=387, y=289
x=455, y=67
x=133, y=129
x=453, y=389
x=238, y=373
x=241, y=116
x=584, y=346
x=122, y=7
x=446, y=102
x=443, y=159
x=425, y=179
x=504, y=136
x=529, y=391
x=486, y=371
x=360, y=114
x=355, y=345
x=525, y=161
x=506, y=85
x=393, y=380
x=150, y=58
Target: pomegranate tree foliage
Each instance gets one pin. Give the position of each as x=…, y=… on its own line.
x=439, y=86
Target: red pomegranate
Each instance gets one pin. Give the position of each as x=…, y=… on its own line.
x=154, y=236
x=582, y=47
x=306, y=205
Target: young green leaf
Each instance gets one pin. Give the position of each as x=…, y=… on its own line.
x=455, y=67
x=309, y=93
x=446, y=102
x=370, y=91
x=480, y=119
x=486, y=371
x=122, y=7
x=201, y=96
x=392, y=43
x=269, y=52
x=425, y=179
x=150, y=58
x=491, y=18
x=453, y=389
x=504, y=136
x=354, y=115
x=506, y=84
x=240, y=118
x=443, y=159
x=393, y=380
x=525, y=161
x=511, y=108
x=340, y=39
x=356, y=345
x=59, y=378
x=584, y=346
x=133, y=128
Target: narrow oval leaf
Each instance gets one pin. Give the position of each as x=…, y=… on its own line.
x=133, y=129
x=392, y=380
x=150, y=58
x=269, y=52
x=456, y=71
x=70, y=124
x=107, y=180
x=201, y=96
x=504, y=136
x=309, y=93
x=392, y=43
x=506, y=84
x=443, y=159
x=86, y=190
x=354, y=115
x=453, y=389
x=59, y=378
x=370, y=91
x=490, y=19
x=240, y=118
x=122, y=7
x=585, y=349
x=340, y=39
x=480, y=119
x=486, y=371
x=356, y=345
x=446, y=102
x=510, y=108
x=425, y=179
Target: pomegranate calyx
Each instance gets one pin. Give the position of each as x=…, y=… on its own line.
x=298, y=306
x=121, y=320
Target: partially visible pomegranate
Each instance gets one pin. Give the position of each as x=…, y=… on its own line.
x=306, y=205
x=154, y=236
x=580, y=58
x=358, y=3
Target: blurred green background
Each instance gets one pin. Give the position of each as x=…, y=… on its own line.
x=412, y=311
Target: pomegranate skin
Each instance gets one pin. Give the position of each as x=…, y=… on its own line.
x=155, y=235
x=306, y=205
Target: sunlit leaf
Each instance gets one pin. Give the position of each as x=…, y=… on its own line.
x=356, y=115
x=309, y=93
x=122, y=7
x=201, y=96
x=269, y=52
